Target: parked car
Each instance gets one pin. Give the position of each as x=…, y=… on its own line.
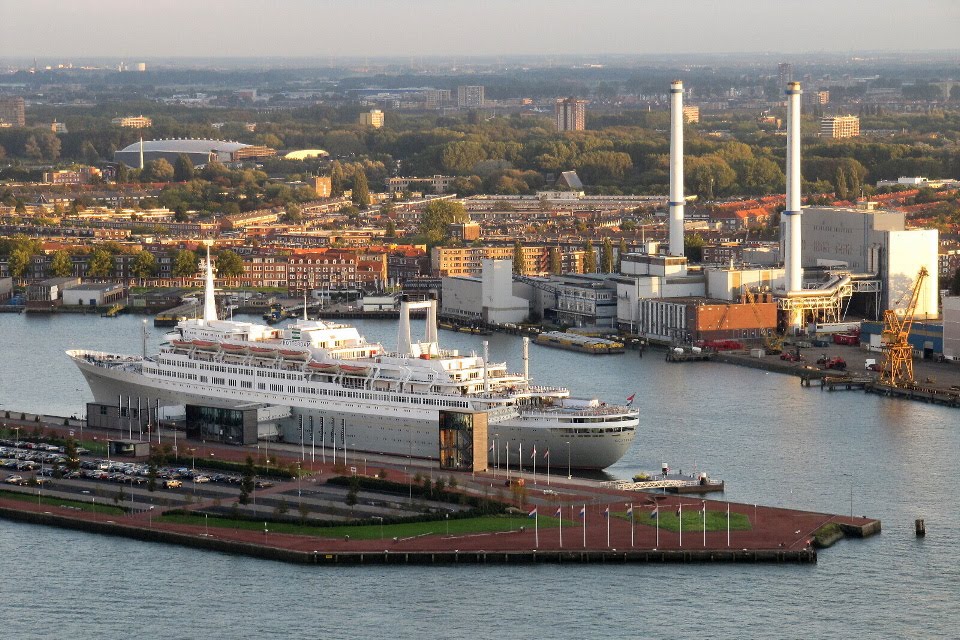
x=15, y=479
x=172, y=484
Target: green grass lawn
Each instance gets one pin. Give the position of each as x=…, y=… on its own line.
x=465, y=526
x=692, y=520
x=61, y=502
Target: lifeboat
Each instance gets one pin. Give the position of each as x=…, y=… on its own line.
x=206, y=345
x=233, y=348
x=323, y=367
x=294, y=354
x=263, y=352
x=182, y=344
x=355, y=370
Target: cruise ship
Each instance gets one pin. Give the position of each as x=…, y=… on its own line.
x=335, y=390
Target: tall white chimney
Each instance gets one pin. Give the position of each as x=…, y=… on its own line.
x=676, y=168
x=792, y=213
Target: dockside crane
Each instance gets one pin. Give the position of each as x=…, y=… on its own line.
x=897, y=366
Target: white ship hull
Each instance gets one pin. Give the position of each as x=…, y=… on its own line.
x=370, y=425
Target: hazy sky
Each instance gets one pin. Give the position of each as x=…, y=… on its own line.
x=61, y=29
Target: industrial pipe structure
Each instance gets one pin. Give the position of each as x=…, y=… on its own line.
x=676, y=168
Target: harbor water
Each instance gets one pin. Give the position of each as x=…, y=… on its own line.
x=772, y=441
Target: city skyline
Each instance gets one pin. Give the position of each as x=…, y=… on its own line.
x=298, y=28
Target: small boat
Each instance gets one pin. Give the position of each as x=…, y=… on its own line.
x=206, y=345
x=323, y=367
x=182, y=344
x=233, y=348
x=355, y=370
x=294, y=354
x=263, y=351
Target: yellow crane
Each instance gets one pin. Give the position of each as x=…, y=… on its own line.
x=897, y=352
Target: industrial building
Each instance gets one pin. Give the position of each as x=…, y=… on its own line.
x=689, y=320
x=951, y=327
x=492, y=298
x=874, y=244
x=199, y=151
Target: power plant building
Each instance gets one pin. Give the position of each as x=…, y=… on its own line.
x=878, y=243
x=200, y=152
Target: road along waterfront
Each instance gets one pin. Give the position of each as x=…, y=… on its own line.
x=771, y=441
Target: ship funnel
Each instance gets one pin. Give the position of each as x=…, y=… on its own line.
x=791, y=215
x=209, y=302
x=676, y=168
x=403, y=331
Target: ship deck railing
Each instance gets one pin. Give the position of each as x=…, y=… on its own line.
x=549, y=412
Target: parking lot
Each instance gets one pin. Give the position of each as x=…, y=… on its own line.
x=40, y=467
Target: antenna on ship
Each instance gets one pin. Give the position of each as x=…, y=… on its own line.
x=209, y=303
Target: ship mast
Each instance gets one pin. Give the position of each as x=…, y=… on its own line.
x=209, y=302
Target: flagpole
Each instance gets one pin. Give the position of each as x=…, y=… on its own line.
x=536, y=528
x=657, y=508
x=520, y=460
x=728, y=524
x=608, y=527
x=704, y=524
x=560, y=512
x=631, y=525
x=548, y=467
x=507, y=456
x=680, y=518
x=534, y=456
x=584, y=526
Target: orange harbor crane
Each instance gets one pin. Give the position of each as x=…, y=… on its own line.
x=897, y=366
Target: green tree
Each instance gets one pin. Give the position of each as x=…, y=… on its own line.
x=123, y=174
x=390, y=230
x=336, y=179
x=185, y=264
x=621, y=251
x=293, y=214
x=159, y=170
x=361, y=190
x=101, y=264
x=19, y=262
x=89, y=152
x=246, y=481
x=606, y=256
x=437, y=216
x=556, y=265
x=61, y=266
x=519, y=264
x=183, y=168
x=708, y=176
x=144, y=265
x=693, y=247
x=840, y=184
x=589, y=258
x=229, y=265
